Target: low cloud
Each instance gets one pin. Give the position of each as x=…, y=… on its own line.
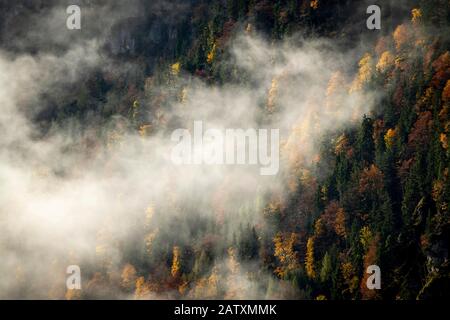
x=65, y=203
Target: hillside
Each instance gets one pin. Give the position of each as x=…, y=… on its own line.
x=364, y=122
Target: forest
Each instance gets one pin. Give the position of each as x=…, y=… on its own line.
x=364, y=120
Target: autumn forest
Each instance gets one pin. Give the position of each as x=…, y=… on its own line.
x=85, y=171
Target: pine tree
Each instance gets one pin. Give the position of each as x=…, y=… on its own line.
x=325, y=271
x=364, y=143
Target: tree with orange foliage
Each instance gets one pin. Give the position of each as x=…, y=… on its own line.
x=401, y=36
x=371, y=179
x=370, y=258
x=314, y=4
x=389, y=138
x=341, y=145
x=438, y=188
x=328, y=218
x=444, y=141
x=128, y=277
x=446, y=92
x=339, y=225
x=286, y=254
x=142, y=289
x=382, y=45
x=442, y=70
x=211, y=54
x=73, y=294
x=421, y=131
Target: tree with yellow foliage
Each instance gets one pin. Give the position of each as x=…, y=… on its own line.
x=319, y=227
x=272, y=95
x=309, y=259
x=176, y=264
x=128, y=277
x=416, y=16
x=144, y=130
x=207, y=287
x=341, y=144
x=286, y=254
x=336, y=91
x=149, y=240
x=335, y=83
x=142, y=289
x=401, y=36
x=385, y=62
x=73, y=294
x=389, y=138
x=365, y=236
x=364, y=73
x=211, y=54
x=249, y=29
x=213, y=283
x=350, y=277
x=175, y=68
x=104, y=246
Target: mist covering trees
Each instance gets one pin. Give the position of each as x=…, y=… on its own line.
x=383, y=201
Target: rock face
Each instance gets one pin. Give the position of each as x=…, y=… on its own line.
x=151, y=37
x=151, y=31
x=122, y=39
x=154, y=32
